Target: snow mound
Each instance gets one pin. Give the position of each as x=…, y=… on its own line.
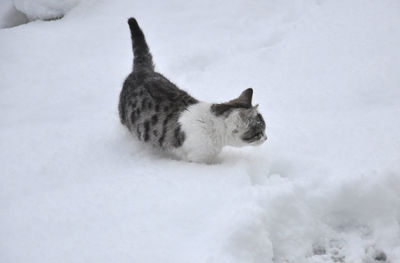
x=10, y=16
x=45, y=9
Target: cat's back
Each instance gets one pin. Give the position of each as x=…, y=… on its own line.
x=152, y=92
x=150, y=106
x=157, y=87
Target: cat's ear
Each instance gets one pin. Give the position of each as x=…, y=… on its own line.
x=246, y=97
x=242, y=102
x=255, y=108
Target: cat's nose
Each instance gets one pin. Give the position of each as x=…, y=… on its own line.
x=264, y=137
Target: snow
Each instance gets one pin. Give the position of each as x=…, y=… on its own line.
x=10, y=16
x=44, y=9
x=325, y=187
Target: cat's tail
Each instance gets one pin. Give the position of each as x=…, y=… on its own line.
x=142, y=59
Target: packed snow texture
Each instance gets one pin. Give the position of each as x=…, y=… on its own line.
x=76, y=187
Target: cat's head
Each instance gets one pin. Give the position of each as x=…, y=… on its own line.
x=245, y=125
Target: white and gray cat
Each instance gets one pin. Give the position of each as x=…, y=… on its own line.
x=161, y=114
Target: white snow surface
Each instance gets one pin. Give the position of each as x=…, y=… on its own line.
x=76, y=187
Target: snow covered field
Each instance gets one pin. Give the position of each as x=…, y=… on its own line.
x=325, y=187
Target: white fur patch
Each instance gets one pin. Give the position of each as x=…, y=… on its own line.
x=206, y=134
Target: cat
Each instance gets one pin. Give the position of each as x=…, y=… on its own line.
x=159, y=113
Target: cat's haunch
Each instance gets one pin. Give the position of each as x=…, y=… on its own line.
x=157, y=112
